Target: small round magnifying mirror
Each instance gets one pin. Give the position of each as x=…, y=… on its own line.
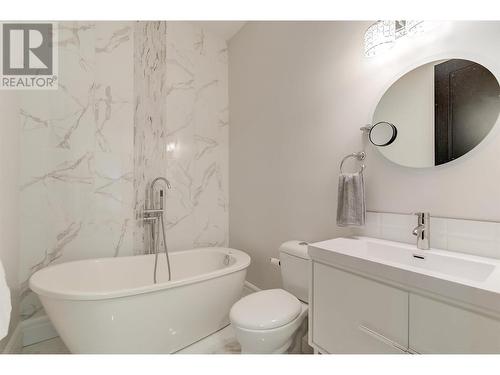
x=382, y=133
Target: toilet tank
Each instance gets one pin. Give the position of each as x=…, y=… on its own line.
x=294, y=262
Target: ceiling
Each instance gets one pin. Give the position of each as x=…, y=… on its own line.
x=224, y=29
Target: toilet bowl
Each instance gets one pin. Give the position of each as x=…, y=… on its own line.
x=268, y=321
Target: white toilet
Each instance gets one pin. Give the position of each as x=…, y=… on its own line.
x=266, y=321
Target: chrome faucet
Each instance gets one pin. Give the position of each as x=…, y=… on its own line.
x=152, y=191
x=154, y=217
x=422, y=230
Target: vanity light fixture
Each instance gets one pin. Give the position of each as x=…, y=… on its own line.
x=382, y=35
x=414, y=27
x=379, y=36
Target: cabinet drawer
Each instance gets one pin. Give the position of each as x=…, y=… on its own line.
x=352, y=314
x=437, y=327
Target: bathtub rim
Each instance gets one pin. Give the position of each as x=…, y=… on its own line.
x=243, y=261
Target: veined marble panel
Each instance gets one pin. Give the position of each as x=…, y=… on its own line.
x=136, y=100
x=186, y=137
x=77, y=154
x=149, y=116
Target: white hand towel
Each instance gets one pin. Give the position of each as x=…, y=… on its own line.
x=5, y=307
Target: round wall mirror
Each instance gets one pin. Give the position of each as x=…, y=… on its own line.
x=438, y=112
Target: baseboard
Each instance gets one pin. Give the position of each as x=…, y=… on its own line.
x=249, y=288
x=37, y=329
x=252, y=287
x=15, y=343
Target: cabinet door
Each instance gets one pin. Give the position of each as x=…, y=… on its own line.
x=440, y=328
x=353, y=314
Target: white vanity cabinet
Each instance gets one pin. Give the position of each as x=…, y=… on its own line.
x=368, y=295
x=352, y=314
x=440, y=328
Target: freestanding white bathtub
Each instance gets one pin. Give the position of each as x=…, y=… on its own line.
x=111, y=305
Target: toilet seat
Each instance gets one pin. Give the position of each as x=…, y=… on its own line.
x=267, y=309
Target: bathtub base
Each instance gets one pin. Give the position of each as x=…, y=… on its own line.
x=111, y=305
x=159, y=322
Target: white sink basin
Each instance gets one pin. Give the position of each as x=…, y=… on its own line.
x=431, y=261
x=460, y=276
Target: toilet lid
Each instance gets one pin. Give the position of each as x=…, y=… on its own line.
x=265, y=310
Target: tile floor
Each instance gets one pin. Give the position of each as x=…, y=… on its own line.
x=51, y=346
x=220, y=342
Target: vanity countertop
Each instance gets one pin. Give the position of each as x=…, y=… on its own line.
x=459, y=277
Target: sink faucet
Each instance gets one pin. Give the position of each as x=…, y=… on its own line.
x=422, y=230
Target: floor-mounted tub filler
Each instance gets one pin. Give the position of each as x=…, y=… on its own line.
x=112, y=305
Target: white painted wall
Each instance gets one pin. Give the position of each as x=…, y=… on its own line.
x=299, y=91
x=9, y=204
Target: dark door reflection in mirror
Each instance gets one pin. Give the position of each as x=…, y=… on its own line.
x=466, y=97
x=441, y=110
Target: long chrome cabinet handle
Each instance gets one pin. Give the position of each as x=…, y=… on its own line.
x=382, y=338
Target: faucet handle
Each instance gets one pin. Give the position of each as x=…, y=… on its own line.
x=423, y=218
x=422, y=230
x=422, y=214
x=417, y=231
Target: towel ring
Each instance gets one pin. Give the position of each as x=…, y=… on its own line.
x=358, y=156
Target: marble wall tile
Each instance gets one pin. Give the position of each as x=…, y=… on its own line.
x=127, y=90
x=192, y=119
x=77, y=154
x=206, y=137
x=149, y=115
